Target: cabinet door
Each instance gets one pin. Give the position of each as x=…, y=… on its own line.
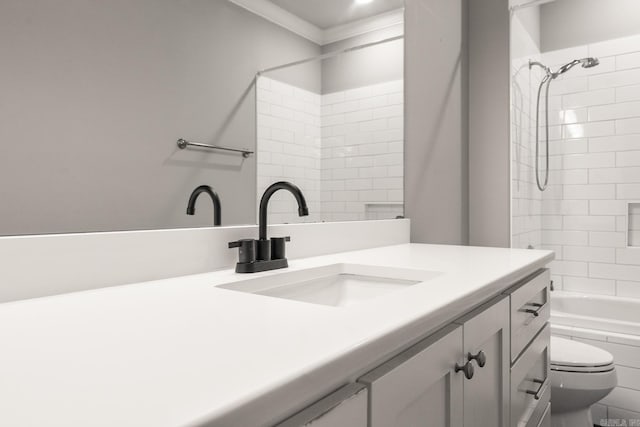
x=347, y=407
x=486, y=337
x=419, y=387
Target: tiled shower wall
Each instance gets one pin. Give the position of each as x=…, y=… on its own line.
x=362, y=152
x=344, y=150
x=526, y=201
x=595, y=169
x=288, y=147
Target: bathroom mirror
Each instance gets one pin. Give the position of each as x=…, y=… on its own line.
x=95, y=96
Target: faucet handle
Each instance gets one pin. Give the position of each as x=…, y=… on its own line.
x=278, y=250
x=246, y=251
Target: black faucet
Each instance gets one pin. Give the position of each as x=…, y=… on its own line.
x=217, y=211
x=267, y=254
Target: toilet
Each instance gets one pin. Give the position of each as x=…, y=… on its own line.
x=581, y=375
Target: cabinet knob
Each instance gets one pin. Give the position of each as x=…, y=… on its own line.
x=467, y=368
x=480, y=358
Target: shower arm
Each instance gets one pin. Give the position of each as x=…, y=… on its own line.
x=541, y=65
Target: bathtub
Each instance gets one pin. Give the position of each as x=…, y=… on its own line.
x=613, y=324
x=602, y=313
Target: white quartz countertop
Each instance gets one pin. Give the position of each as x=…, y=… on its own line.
x=183, y=352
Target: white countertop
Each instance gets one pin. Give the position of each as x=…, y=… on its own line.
x=183, y=352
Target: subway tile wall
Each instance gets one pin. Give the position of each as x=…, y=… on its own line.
x=288, y=147
x=526, y=201
x=595, y=170
x=362, y=152
x=344, y=150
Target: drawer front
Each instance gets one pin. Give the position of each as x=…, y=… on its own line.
x=546, y=417
x=530, y=310
x=530, y=382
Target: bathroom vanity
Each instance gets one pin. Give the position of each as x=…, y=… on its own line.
x=390, y=336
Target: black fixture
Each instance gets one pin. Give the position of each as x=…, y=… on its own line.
x=191, y=206
x=267, y=254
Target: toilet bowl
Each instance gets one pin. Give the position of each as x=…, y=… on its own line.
x=581, y=375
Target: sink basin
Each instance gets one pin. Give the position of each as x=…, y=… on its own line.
x=337, y=285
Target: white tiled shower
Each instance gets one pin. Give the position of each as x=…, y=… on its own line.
x=344, y=149
x=589, y=213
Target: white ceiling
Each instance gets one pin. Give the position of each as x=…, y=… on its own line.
x=330, y=13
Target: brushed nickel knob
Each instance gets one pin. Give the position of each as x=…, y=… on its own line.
x=480, y=358
x=467, y=368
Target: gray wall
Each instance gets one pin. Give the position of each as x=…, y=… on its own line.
x=530, y=19
x=95, y=94
x=489, y=161
x=376, y=64
x=568, y=23
x=435, y=150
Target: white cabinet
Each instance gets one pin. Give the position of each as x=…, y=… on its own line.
x=347, y=407
x=420, y=386
x=486, y=346
x=459, y=377
x=489, y=367
x=530, y=388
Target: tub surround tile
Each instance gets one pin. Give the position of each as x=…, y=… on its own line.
x=614, y=271
x=575, y=333
x=624, y=398
x=624, y=355
x=628, y=289
x=615, y=143
x=585, y=284
x=628, y=377
x=594, y=164
x=629, y=256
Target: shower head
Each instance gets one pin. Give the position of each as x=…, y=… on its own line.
x=585, y=62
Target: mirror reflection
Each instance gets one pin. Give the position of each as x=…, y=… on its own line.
x=333, y=124
x=96, y=96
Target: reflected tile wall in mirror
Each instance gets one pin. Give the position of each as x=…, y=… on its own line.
x=343, y=145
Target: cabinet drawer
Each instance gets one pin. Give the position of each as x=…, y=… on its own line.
x=530, y=309
x=346, y=407
x=530, y=388
x=546, y=417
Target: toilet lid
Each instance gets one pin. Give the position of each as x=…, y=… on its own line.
x=571, y=353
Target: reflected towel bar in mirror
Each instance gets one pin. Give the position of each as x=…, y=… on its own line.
x=183, y=143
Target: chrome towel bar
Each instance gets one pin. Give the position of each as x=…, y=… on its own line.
x=183, y=143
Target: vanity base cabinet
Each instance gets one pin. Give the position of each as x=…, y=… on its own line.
x=420, y=386
x=346, y=407
x=489, y=367
x=486, y=345
x=458, y=377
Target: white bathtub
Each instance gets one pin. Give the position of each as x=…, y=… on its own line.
x=603, y=313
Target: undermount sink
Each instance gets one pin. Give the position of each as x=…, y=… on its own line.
x=337, y=285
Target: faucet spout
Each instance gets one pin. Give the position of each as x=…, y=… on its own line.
x=217, y=210
x=303, y=210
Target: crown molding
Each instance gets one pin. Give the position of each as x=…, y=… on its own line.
x=274, y=13
x=363, y=26
x=279, y=16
